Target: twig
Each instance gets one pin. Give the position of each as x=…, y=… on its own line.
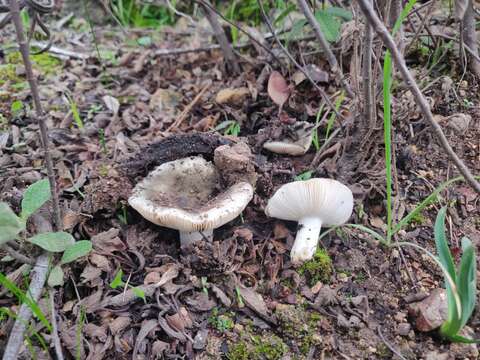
x=187, y=109
x=469, y=36
x=222, y=40
x=39, y=276
x=25, y=51
x=390, y=346
x=419, y=98
x=368, y=85
x=17, y=255
x=56, y=338
x=332, y=60
x=297, y=65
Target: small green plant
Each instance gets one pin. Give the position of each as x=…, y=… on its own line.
x=231, y=127
x=75, y=112
x=101, y=139
x=142, y=14
x=304, y=176
x=221, y=322
x=16, y=108
x=464, y=282
x=333, y=115
x=118, y=282
x=11, y=226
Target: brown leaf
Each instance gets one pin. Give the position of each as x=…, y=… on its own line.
x=278, y=89
x=147, y=327
x=108, y=242
x=254, y=301
x=232, y=96
x=119, y=324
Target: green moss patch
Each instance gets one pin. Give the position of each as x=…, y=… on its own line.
x=317, y=269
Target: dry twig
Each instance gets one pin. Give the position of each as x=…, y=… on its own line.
x=419, y=98
x=332, y=60
x=25, y=51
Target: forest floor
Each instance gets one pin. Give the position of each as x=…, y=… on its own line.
x=238, y=297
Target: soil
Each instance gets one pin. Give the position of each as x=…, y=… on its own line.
x=238, y=297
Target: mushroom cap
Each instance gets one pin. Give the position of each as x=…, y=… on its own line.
x=304, y=133
x=181, y=194
x=327, y=199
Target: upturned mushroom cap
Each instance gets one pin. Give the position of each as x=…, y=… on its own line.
x=299, y=146
x=327, y=199
x=181, y=194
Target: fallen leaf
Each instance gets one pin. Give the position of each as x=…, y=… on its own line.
x=112, y=104
x=254, y=301
x=232, y=96
x=278, y=89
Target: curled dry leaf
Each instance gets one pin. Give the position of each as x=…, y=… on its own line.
x=232, y=96
x=278, y=89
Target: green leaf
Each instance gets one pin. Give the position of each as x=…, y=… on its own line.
x=35, y=196
x=139, y=293
x=10, y=224
x=296, y=31
x=117, y=280
x=339, y=12
x=284, y=14
x=16, y=107
x=53, y=241
x=145, y=41
x=466, y=281
x=329, y=25
x=304, y=176
x=77, y=250
x=461, y=339
x=441, y=243
x=56, y=277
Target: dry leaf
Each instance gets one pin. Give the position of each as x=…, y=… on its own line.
x=232, y=96
x=278, y=89
x=461, y=8
x=112, y=104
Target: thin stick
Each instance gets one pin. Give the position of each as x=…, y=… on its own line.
x=222, y=40
x=39, y=276
x=368, y=85
x=56, y=338
x=17, y=255
x=187, y=109
x=332, y=60
x=422, y=103
x=25, y=51
x=469, y=36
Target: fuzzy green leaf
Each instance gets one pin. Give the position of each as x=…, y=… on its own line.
x=10, y=224
x=35, y=196
x=339, y=12
x=139, y=293
x=329, y=25
x=77, y=250
x=56, y=277
x=53, y=241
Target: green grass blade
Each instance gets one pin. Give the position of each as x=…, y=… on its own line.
x=23, y=298
x=466, y=280
x=441, y=243
x=427, y=201
x=333, y=116
x=369, y=231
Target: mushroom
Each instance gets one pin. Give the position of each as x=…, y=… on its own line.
x=312, y=203
x=298, y=145
x=183, y=195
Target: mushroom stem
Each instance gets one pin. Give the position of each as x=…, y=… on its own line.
x=306, y=240
x=189, y=237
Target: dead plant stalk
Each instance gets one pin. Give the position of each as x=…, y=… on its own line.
x=25, y=51
x=422, y=103
x=332, y=60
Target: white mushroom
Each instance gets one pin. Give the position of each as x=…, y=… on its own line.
x=313, y=203
x=299, y=145
x=183, y=195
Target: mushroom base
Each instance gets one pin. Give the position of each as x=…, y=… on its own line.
x=306, y=240
x=189, y=237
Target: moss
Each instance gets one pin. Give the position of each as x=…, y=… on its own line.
x=299, y=326
x=44, y=62
x=317, y=269
x=257, y=347
x=221, y=322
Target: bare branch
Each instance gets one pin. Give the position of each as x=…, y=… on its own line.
x=25, y=51
x=419, y=98
x=222, y=40
x=332, y=60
